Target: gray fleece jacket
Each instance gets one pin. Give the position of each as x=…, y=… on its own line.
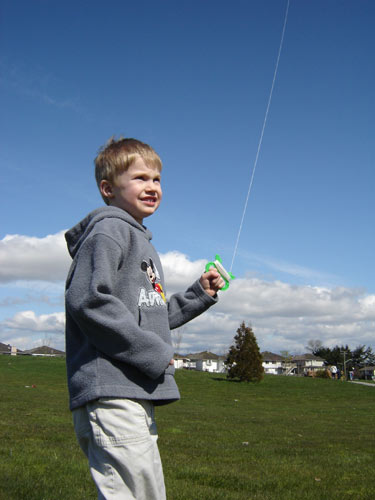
x=118, y=321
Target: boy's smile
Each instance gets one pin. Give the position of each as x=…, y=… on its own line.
x=137, y=190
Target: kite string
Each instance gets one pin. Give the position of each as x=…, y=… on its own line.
x=261, y=136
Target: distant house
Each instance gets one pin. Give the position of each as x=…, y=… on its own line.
x=8, y=349
x=206, y=362
x=44, y=351
x=302, y=364
x=368, y=372
x=273, y=363
x=181, y=361
x=306, y=363
x=4, y=349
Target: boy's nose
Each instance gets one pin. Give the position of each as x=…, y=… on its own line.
x=150, y=187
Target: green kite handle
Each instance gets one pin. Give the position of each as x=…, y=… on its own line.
x=227, y=276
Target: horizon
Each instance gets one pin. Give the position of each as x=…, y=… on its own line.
x=175, y=354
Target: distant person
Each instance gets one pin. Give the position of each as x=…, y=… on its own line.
x=334, y=371
x=118, y=343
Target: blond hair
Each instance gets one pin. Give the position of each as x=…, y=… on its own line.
x=116, y=156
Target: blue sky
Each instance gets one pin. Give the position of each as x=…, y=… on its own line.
x=193, y=80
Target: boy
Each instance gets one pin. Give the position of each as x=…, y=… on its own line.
x=118, y=344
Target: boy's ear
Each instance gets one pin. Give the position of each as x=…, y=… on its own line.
x=106, y=189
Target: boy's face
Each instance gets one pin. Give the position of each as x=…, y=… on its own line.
x=137, y=190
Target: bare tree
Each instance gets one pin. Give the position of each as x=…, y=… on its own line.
x=177, y=336
x=47, y=340
x=314, y=345
x=287, y=360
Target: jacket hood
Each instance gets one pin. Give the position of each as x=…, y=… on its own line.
x=77, y=234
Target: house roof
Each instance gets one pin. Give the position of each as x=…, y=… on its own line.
x=270, y=356
x=180, y=356
x=44, y=349
x=307, y=357
x=6, y=348
x=202, y=355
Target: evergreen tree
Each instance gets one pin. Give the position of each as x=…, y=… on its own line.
x=244, y=360
x=362, y=356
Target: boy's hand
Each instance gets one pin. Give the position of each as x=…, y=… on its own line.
x=211, y=282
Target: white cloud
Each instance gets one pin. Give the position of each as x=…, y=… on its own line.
x=28, y=320
x=292, y=269
x=286, y=269
x=31, y=258
x=283, y=316
x=27, y=329
x=180, y=271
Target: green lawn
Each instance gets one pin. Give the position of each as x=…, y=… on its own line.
x=285, y=438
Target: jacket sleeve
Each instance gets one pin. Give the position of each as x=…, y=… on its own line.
x=183, y=307
x=103, y=317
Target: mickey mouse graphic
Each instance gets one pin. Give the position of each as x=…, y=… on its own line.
x=153, y=276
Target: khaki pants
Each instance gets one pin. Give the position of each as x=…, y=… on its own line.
x=119, y=438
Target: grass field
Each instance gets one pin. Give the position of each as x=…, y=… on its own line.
x=286, y=438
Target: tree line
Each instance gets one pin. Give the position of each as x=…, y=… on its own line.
x=342, y=355
x=244, y=361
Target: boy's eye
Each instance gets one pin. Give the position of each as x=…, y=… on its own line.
x=145, y=178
